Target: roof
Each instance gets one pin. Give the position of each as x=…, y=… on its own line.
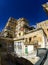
x=34, y=30
x=42, y=21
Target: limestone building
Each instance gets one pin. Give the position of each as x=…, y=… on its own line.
x=44, y=26
x=9, y=30
x=45, y=6
x=18, y=35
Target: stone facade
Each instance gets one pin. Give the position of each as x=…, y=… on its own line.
x=45, y=6
x=9, y=30
x=25, y=36
x=44, y=26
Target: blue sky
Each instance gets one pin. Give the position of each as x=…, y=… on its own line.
x=29, y=9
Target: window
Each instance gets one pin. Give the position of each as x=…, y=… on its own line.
x=34, y=37
x=12, y=22
x=47, y=40
x=19, y=45
x=8, y=27
x=19, y=34
x=26, y=46
x=47, y=29
x=30, y=39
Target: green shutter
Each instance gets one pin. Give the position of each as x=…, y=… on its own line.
x=26, y=50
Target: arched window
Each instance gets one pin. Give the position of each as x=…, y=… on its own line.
x=30, y=39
